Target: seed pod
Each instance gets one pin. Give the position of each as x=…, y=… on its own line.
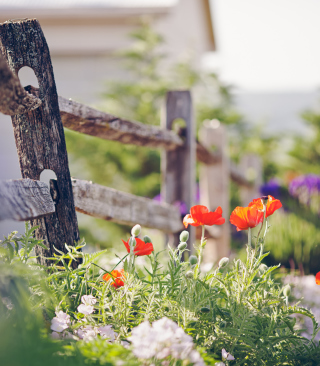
x=135, y=231
x=189, y=274
x=223, y=262
x=147, y=239
x=287, y=290
x=205, y=310
x=193, y=260
x=184, y=236
x=182, y=246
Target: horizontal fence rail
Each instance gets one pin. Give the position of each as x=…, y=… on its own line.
x=24, y=199
x=27, y=199
x=124, y=208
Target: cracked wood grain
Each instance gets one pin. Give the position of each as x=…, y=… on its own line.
x=24, y=199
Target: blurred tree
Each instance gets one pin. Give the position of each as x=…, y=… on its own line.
x=140, y=97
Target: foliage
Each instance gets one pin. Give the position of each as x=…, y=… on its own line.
x=238, y=307
x=134, y=169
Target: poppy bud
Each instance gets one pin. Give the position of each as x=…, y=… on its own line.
x=189, y=274
x=193, y=260
x=184, y=236
x=223, y=262
x=147, y=239
x=182, y=246
x=262, y=268
x=287, y=290
x=135, y=231
x=205, y=310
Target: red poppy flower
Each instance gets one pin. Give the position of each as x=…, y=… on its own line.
x=272, y=205
x=318, y=278
x=246, y=217
x=141, y=247
x=200, y=215
x=117, y=277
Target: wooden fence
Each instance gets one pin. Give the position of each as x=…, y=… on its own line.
x=38, y=118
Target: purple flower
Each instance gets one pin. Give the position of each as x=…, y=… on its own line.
x=272, y=188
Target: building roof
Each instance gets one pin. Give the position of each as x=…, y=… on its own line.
x=76, y=4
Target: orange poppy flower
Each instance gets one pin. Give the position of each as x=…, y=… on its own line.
x=318, y=278
x=117, y=277
x=141, y=247
x=246, y=217
x=200, y=215
x=272, y=205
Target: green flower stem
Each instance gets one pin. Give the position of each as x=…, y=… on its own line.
x=249, y=238
x=131, y=256
x=202, y=245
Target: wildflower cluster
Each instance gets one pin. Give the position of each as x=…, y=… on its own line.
x=176, y=314
x=162, y=340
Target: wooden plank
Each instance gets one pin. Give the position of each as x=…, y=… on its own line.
x=24, y=199
x=13, y=98
x=81, y=118
x=39, y=134
x=214, y=189
x=124, y=208
x=178, y=166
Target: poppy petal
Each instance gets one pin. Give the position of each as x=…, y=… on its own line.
x=188, y=220
x=126, y=243
x=318, y=278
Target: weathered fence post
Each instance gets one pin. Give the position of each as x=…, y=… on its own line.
x=39, y=133
x=178, y=166
x=251, y=166
x=214, y=188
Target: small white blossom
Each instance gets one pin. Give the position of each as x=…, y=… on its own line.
x=164, y=338
x=88, y=299
x=60, y=322
x=219, y=364
x=87, y=333
x=107, y=332
x=86, y=307
x=55, y=335
x=226, y=355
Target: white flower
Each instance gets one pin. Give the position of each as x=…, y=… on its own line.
x=226, y=355
x=55, y=335
x=87, y=333
x=86, y=307
x=88, y=299
x=164, y=338
x=107, y=332
x=219, y=364
x=60, y=322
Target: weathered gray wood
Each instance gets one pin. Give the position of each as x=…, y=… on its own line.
x=24, y=199
x=178, y=166
x=39, y=134
x=214, y=188
x=251, y=166
x=81, y=118
x=124, y=208
x=13, y=98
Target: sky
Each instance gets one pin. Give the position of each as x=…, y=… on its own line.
x=267, y=45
